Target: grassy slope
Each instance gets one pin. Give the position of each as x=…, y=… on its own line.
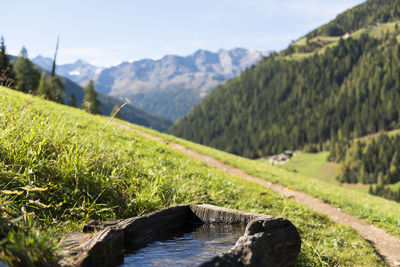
x=328, y=41
x=60, y=167
x=378, y=211
x=395, y=186
x=312, y=165
x=316, y=165
x=131, y=113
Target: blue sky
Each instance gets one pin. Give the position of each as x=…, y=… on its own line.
x=106, y=33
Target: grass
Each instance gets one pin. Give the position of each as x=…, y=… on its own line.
x=298, y=56
x=380, y=212
x=395, y=187
x=300, y=42
x=376, y=31
x=376, y=135
x=316, y=165
x=312, y=165
x=60, y=167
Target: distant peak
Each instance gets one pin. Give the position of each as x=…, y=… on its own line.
x=40, y=57
x=81, y=61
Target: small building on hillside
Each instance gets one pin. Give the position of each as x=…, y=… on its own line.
x=279, y=159
x=283, y=157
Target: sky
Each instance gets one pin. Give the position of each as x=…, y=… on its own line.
x=106, y=33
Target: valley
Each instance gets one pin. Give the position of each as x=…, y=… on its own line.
x=309, y=133
x=168, y=87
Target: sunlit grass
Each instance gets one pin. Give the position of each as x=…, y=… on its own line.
x=61, y=167
x=377, y=31
x=378, y=211
x=312, y=165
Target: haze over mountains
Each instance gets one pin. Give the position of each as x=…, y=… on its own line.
x=167, y=87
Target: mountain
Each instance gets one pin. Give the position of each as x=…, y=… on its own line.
x=324, y=87
x=79, y=72
x=170, y=86
x=129, y=112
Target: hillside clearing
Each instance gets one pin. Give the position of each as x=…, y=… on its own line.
x=316, y=165
x=324, y=42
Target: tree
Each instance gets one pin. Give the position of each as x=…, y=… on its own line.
x=116, y=112
x=53, y=69
x=90, y=102
x=57, y=89
x=72, y=100
x=43, y=87
x=6, y=68
x=27, y=76
x=51, y=89
x=56, y=83
x=4, y=60
x=394, y=170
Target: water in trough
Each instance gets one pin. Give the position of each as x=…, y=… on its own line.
x=192, y=247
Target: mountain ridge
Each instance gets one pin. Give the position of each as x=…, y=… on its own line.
x=166, y=87
x=170, y=86
x=79, y=71
x=314, y=92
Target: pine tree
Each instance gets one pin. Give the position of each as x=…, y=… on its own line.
x=6, y=69
x=394, y=170
x=57, y=89
x=43, y=87
x=72, y=100
x=51, y=89
x=53, y=69
x=116, y=112
x=56, y=83
x=4, y=60
x=90, y=102
x=27, y=76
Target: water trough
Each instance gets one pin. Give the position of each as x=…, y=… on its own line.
x=267, y=240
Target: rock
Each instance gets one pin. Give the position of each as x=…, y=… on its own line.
x=94, y=225
x=158, y=225
x=92, y=249
x=71, y=245
x=267, y=242
x=212, y=214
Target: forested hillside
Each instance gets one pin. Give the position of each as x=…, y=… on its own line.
x=368, y=13
x=290, y=100
x=371, y=160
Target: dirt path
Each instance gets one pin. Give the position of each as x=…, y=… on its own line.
x=386, y=245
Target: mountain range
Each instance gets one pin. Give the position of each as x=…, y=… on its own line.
x=339, y=81
x=167, y=87
x=107, y=103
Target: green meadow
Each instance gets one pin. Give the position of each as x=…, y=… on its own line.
x=380, y=212
x=61, y=167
